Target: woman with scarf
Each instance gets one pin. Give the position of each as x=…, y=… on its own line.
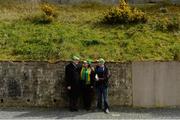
x=86, y=83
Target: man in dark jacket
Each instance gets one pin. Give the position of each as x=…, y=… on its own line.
x=72, y=77
x=102, y=75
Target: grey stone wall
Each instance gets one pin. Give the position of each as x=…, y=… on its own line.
x=120, y=91
x=42, y=84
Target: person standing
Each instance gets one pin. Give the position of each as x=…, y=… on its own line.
x=87, y=82
x=102, y=75
x=72, y=77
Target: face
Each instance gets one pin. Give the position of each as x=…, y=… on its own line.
x=97, y=63
x=85, y=65
x=101, y=64
x=76, y=61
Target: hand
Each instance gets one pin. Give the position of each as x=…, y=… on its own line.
x=69, y=87
x=97, y=78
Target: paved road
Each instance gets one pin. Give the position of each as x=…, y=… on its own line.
x=116, y=113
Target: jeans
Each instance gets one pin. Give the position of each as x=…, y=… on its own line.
x=102, y=95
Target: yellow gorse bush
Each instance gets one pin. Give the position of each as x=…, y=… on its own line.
x=124, y=14
x=48, y=14
x=47, y=9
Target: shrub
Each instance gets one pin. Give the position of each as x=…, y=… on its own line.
x=168, y=24
x=48, y=15
x=124, y=14
x=49, y=10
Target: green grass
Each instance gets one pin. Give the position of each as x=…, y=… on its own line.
x=77, y=31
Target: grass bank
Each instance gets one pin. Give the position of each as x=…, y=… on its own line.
x=77, y=30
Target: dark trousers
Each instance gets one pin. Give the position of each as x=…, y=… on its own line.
x=102, y=96
x=73, y=100
x=87, y=96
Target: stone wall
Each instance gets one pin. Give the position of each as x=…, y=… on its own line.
x=42, y=84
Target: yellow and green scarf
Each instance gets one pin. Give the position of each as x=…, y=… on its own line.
x=86, y=75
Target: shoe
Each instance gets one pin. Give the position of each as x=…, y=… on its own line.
x=74, y=110
x=107, y=111
x=87, y=108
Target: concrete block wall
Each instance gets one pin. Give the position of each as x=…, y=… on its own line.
x=156, y=84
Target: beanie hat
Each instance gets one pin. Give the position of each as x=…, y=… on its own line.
x=75, y=58
x=101, y=60
x=89, y=61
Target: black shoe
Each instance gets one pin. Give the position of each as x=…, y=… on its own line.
x=87, y=109
x=73, y=110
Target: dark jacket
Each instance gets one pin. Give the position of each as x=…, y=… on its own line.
x=72, y=76
x=103, y=76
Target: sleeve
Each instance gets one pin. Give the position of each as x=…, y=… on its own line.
x=92, y=77
x=68, y=76
x=95, y=73
x=79, y=68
